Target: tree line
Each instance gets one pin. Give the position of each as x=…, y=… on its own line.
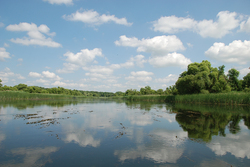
x=199, y=78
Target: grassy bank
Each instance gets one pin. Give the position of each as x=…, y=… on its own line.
x=19, y=95
x=232, y=98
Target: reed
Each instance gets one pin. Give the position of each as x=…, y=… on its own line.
x=19, y=95
x=232, y=98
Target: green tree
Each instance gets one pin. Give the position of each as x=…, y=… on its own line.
x=21, y=86
x=1, y=83
x=246, y=81
x=233, y=80
x=200, y=77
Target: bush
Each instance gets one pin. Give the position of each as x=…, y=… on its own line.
x=203, y=91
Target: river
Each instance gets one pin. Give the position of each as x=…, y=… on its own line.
x=105, y=132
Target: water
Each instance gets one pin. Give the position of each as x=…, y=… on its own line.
x=93, y=132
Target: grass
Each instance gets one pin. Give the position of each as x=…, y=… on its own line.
x=232, y=98
x=18, y=95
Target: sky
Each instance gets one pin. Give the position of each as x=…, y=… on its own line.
x=115, y=45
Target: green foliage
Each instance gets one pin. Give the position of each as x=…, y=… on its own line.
x=201, y=76
x=0, y=83
x=233, y=80
x=246, y=81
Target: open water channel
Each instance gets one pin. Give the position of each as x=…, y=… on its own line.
x=99, y=132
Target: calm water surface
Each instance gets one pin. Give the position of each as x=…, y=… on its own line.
x=118, y=133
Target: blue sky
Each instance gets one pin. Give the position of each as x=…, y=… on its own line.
x=109, y=45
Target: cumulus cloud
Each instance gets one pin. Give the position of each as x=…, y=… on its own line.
x=173, y=24
x=92, y=17
x=235, y=52
x=225, y=23
x=34, y=74
x=59, y=2
x=36, y=35
x=83, y=57
x=141, y=76
x=3, y=54
x=158, y=45
x=171, y=59
x=51, y=75
x=245, y=26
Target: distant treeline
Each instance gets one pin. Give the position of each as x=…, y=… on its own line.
x=200, y=78
x=54, y=90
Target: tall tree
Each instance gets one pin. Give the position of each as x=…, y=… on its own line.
x=202, y=76
x=233, y=75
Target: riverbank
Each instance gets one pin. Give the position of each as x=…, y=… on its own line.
x=19, y=95
x=231, y=98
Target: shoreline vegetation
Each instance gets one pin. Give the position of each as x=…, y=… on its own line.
x=200, y=84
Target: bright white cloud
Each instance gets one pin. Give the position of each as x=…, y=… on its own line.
x=59, y=2
x=141, y=76
x=235, y=52
x=225, y=23
x=34, y=74
x=84, y=57
x=36, y=35
x=3, y=54
x=51, y=75
x=173, y=24
x=92, y=17
x=171, y=59
x=245, y=26
x=158, y=45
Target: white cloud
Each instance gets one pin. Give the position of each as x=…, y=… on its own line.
x=34, y=74
x=245, y=26
x=158, y=45
x=171, y=59
x=68, y=68
x=139, y=60
x=7, y=73
x=140, y=76
x=84, y=57
x=173, y=24
x=36, y=35
x=99, y=69
x=51, y=75
x=235, y=52
x=59, y=2
x=3, y=54
x=167, y=79
x=92, y=17
x=225, y=23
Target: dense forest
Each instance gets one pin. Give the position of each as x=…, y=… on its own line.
x=199, y=78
